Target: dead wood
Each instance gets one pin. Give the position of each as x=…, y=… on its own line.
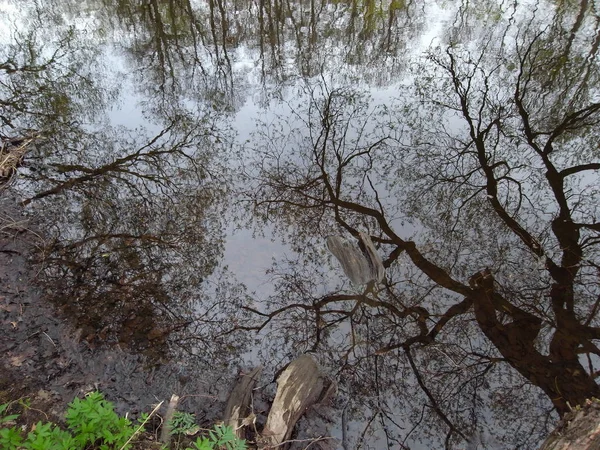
x=299, y=386
x=165, y=434
x=12, y=151
x=238, y=404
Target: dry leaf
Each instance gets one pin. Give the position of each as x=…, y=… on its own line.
x=251, y=419
x=17, y=361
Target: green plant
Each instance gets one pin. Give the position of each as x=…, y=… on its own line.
x=3, y=418
x=10, y=438
x=94, y=419
x=91, y=422
x=220, y=437
x=184, y=423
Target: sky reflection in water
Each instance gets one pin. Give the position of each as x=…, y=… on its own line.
x=191, y=158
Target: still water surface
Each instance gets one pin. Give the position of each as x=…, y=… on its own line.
x=188, y=160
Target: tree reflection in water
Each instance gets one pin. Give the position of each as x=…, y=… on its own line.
x=136, y=234
x=478, y=185
x=481, y=188
x=132, y=218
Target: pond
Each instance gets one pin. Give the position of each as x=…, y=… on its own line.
x=178, y=167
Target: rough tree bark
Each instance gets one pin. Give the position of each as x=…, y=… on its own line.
x=578, y=430
x=299, y=387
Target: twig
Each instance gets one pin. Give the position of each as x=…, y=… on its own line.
x=141, y=425
x=434, y=403
x=344, y=425
x=46, y=334
x=26, y=406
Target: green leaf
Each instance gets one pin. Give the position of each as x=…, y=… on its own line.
x=143, y=417
x=202, y=444
x=183, y=422
x=9, y=418
x=41, y=437
x=10, y=438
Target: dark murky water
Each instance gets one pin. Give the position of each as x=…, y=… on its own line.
x=183, y=162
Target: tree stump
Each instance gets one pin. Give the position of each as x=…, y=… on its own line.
x=578, y=430
x=238, y=404
x=299, y=386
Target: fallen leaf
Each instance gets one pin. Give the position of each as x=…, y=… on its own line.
x=193, y=430
x=17, y=361
x=250, y=420
x=7, y=308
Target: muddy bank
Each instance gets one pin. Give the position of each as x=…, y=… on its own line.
x=47, y=358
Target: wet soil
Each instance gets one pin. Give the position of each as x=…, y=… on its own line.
x=47, y=359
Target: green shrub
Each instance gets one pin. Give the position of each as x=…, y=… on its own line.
x=93, y=423
x=90, y=422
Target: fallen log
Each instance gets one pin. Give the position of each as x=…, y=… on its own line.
x=299, y=386
x=165, y=434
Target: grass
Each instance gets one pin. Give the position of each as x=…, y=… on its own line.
x=10, y=157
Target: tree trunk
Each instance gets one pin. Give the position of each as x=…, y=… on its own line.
x=578, y=430
x=564, y=380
